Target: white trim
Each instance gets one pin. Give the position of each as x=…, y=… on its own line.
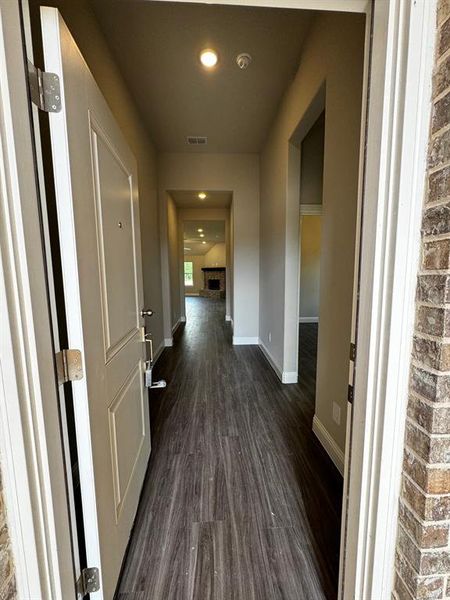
x=228, y=318
x=177, y=324
x=289, y=377
x=245, y=341
x=353, y=6
x=308, y=319
x=311, y=210
x=283, y=376
x=30, y=445
x=17, y=489
x=328, y=443
x=398, y=126
x=168, y=342
x=270, y=359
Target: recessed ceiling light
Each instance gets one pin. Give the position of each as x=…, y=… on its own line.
x=202, y=235
x=203, y=242
x=202, y=195
x=200, y=230
x=208, y=58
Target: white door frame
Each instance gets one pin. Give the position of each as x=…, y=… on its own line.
x=398, y=119
x=32, y=460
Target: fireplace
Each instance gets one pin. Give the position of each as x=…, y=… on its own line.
x=213, y=282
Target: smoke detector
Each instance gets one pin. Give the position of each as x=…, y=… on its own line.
x=243, y=60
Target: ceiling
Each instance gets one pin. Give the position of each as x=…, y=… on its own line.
x=190, y=199
x=213, y=232
x=157, y=44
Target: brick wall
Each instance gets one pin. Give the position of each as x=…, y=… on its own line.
x=423, y=545
x=7, y=582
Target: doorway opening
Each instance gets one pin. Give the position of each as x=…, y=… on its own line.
x=310, y=229
x=200, y=250
x=179, y=268
x=205, y=259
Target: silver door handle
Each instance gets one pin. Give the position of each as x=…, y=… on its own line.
x=146, y=312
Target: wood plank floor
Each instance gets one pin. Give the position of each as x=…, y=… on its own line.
x=240, y=501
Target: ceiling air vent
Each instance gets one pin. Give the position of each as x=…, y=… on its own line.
x=196, y=140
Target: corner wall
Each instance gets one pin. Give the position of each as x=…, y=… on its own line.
x=332, y=57
x=238, y=173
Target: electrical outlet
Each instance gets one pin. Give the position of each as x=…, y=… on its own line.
x=270, y=336
x=336, y=413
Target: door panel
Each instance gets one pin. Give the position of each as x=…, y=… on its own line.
x=127, y=426
x=115, y=232
x=98, y=219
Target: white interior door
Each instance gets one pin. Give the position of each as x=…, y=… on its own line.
x=98, y=216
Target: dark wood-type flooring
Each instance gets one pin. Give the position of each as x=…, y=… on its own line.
x=240, y=501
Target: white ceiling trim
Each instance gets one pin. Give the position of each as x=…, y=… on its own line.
x=353, y=6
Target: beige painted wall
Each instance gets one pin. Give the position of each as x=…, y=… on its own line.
x=311, y=170
x=310, y=236
x=198, y=264
x=238, y=173
x=84, y=27
x=217, y=256
x=332, y=55
x=175, y=250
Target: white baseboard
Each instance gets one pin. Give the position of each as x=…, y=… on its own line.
x=308, y=319
x=177, y=324
x=168, y=342
x=245, y=341
x=289, y=377
x=328, y=443
x=283, y=376
x=270, y=359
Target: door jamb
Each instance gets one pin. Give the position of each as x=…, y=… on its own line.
x=30, y=442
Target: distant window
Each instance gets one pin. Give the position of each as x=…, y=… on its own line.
x=188, y=273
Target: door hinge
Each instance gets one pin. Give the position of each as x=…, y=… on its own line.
x=69, y=366
x=89, y=581
x=45, y=90
x=352, y=352
x=350, y=394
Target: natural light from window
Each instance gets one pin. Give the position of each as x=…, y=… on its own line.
x=188, y=273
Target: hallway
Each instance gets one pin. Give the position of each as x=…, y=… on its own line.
x=240, y=500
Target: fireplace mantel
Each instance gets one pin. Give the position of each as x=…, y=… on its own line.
x=213, y=269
